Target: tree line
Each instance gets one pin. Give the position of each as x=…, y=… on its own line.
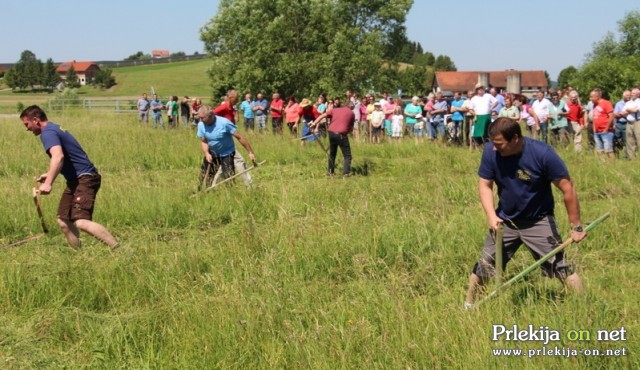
x=613, y=65
x=30, y=73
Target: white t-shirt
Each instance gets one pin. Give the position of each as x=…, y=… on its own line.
x=482, y=104
x=377, y=116
x=396, y=125
x=633, y=104
x=542, y=108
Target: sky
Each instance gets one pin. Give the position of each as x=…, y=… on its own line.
x=477, y=35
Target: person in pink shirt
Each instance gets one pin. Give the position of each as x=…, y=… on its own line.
x=277, y=109
x=388, y=110
x=292, y=115
x=363, y=124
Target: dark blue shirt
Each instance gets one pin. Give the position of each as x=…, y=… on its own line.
x=76, y=162
x=523, y=180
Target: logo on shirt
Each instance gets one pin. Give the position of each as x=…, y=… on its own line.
x=524, y=175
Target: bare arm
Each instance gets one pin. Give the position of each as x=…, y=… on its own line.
x=246, y=145
x=485, y=189
x=317, y=120
x=204, y=146
x=572, y=204
x=535, y=117
x=610, y=121
x=55, y=166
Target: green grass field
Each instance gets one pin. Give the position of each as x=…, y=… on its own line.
x=303, y=271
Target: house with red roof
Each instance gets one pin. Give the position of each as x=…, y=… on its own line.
x=510, y=81
x=157, y=54
x=85, y=71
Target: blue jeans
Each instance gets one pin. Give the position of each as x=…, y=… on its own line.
x=157, y=118
x=436, y=128
x=544, y=129
x=604, y=141
x=620, y=135
x=306, y=131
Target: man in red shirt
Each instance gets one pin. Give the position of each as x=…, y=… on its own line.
x=276, y=108
x=575, y=118
x=226, y=108
x=342, y=121
x=602, y=122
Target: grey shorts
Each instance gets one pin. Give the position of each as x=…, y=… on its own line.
x=143, y=115
x=540, y=237
x=261, y=121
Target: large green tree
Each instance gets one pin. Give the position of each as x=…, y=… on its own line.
x=50, y=77
x=565, y=76
x=27, y=72
x=301, y=46
x=32, y=69
x=614, y=63
x=444, y=63
x=104, y=79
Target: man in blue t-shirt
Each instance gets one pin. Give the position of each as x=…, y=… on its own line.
x=259, y=107
x=248, y=114
x=455, y=127
x=524, y=170
x=216, y=142
x=75, y=211
x=156, y=108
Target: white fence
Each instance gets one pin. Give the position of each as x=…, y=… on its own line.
x=98, y=105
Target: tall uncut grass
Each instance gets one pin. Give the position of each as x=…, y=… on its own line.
x=303, y=271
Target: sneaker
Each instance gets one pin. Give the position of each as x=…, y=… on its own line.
x=346, y=176
x=468, y=306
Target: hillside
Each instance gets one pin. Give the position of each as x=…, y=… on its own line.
x=179, y=78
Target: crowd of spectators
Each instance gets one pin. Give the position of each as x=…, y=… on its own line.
x=558, y=117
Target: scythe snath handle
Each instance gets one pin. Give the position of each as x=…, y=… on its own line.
x=36, y=201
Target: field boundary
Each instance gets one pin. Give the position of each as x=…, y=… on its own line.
x=116, y=105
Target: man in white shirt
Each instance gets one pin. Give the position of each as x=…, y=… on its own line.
x=542, y=108
x=632, y=109
x=481, y=107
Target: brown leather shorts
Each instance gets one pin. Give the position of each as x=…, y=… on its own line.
x=78, y=199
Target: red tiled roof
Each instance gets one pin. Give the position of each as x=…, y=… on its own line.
x=160, y=53
x=77, y=66
x=462, y=81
